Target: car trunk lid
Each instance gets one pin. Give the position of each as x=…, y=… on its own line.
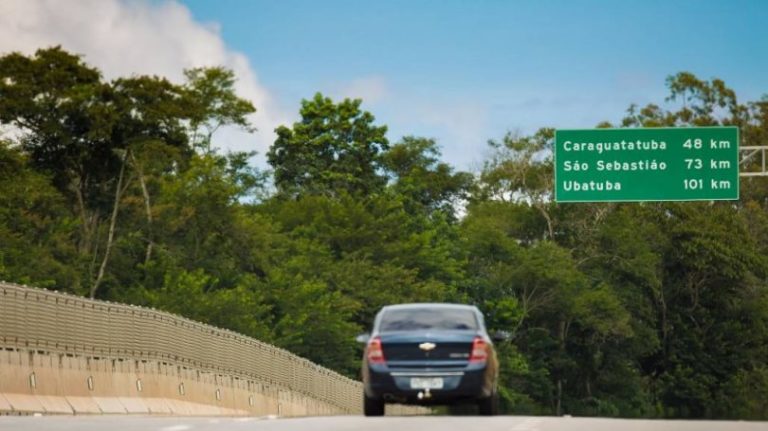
x=450, y=346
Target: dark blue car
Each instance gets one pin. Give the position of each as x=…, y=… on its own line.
x=429, y=354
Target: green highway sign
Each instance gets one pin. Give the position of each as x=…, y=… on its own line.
x=652, y=164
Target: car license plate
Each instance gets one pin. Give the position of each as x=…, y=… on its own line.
x=427, y=383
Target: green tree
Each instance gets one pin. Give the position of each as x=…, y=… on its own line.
x=213, y=103
x=58, y=103
x=35, y=227
x=425, y=183
x=521, y=170
x=379, y=255
x=333, y=148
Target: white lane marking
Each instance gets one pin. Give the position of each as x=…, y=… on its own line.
x=529, y=424
x=176, y=428
x=246, y=419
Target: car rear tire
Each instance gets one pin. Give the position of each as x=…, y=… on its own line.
x=489, y=406
x=372, y=406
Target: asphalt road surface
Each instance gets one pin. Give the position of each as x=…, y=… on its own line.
x=348, y=423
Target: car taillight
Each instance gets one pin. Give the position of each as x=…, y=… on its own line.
x=375, y=352
x=479, y=351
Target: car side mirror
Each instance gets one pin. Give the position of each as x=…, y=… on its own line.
x=363, y=338
x=501, y=336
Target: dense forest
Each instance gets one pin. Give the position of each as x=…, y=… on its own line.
x=113, y=190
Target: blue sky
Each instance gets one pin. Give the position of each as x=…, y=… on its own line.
x=463, y=72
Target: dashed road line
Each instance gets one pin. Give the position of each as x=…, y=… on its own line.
x=529, y=424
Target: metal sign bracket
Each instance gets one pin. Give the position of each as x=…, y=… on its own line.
x=747, y=154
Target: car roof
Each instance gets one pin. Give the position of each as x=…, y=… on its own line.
x=428, y=305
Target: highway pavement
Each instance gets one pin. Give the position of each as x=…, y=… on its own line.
x=349, y=423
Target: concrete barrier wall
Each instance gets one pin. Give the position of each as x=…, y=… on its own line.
x=63, y=354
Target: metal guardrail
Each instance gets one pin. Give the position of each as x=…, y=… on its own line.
x=54, y=322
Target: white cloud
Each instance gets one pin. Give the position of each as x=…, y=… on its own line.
x=139, y=37
x=371, y=89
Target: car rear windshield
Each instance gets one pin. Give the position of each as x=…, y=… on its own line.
x=409, y=319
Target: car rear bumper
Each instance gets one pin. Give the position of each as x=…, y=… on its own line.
x=394, y=385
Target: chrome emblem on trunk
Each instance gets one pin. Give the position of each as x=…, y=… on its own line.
x=427, y=346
